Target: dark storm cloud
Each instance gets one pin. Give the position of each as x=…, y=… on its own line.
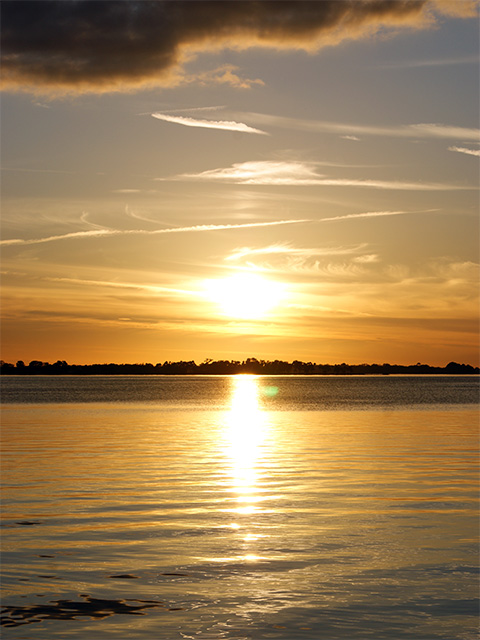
x=90, y=45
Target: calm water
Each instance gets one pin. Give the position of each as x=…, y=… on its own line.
x=320, y=508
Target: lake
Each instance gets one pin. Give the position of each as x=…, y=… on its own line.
x=240, y=507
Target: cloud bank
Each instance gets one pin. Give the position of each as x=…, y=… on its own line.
x=64, y=46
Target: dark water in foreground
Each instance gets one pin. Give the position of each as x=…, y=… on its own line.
x=240, y=507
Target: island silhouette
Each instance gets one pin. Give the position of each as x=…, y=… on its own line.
x=229, y=367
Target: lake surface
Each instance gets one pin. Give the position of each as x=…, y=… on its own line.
x=242, y=507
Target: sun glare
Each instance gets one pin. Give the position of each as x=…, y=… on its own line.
x=245, y=429
x=245, y=295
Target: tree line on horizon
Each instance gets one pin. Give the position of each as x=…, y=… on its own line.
x=228, y=367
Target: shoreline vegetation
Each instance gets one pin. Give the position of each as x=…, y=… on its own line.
x=230, y=367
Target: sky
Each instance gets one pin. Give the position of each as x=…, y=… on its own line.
x=278, y=180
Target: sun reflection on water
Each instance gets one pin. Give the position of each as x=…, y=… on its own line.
x=245, y=435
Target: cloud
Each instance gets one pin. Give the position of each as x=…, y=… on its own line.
x=288, y=250
x=209, y=124
x=127, y=285
x=421, y=130
x=260, y=172
x=439, y=62
x=457, y=8
x=99, y=233
x=85, y=218
x=195, y=109
x=354, y=138
x=368, y=258
x=225, y=74
x=444, y=131
x=64, y=46
x=470, y=152
x=296, y=173
x=307, y=261
x=21, y=170
x=369, y=214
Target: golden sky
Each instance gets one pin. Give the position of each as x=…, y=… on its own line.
x=280, y=180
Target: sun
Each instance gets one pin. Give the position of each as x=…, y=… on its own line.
x=245, y=295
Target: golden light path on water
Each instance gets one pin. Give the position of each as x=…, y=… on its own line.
x=246, y=429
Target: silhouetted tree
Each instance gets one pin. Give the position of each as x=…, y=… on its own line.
x=230, y=367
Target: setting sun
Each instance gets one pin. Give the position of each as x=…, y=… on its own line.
x=245, y=295
x=239, y=314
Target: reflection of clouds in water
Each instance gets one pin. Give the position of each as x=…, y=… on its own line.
x=245, y=434
x=72, y=609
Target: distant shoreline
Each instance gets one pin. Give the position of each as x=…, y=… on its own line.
x=231, y=367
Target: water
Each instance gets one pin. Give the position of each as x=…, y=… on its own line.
x=242, y=507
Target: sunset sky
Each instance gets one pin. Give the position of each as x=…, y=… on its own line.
x=279, y=180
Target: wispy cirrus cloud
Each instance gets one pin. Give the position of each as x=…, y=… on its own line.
x=23, y=170
x=215, y=107
x=367, y=258
x=368, y=214
x=469, y=152
x=421, y=130
x=59, y=47
x=433, y=130
x=288, y=250
x=331, y=262
x=225, y=74
x=102, y=233
x=209, y=124
x=438, y=62
x=127, y=285
x=296, y=173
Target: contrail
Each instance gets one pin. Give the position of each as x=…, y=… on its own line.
x=374, y=214
x=370, y=214
x=96, y=233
